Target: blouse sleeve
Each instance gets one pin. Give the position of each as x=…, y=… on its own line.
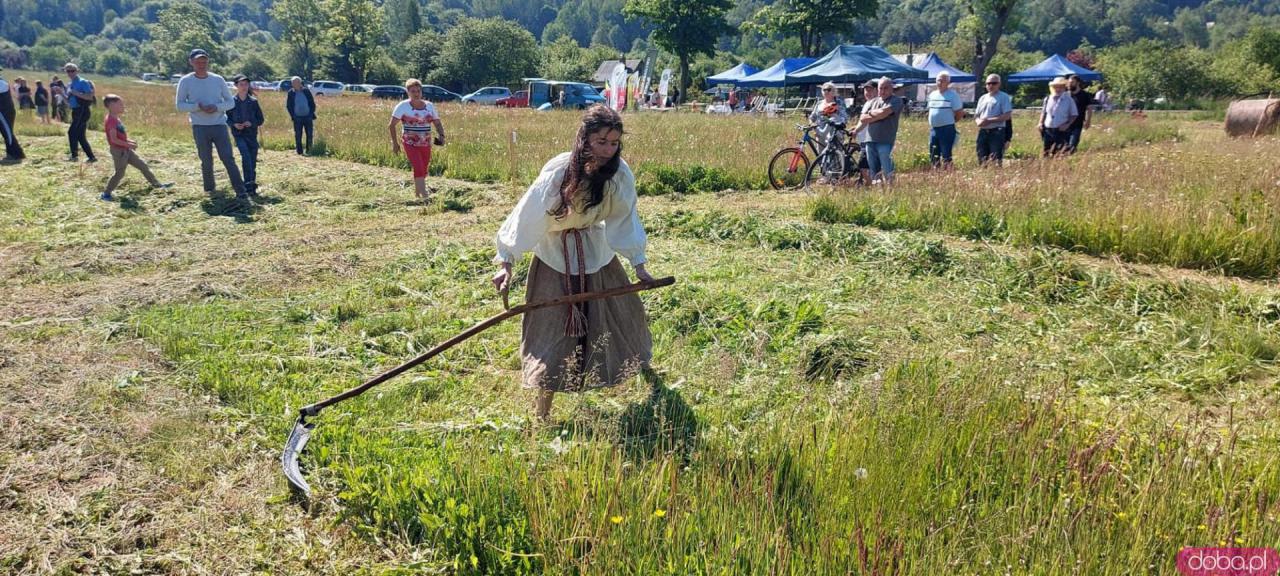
x=528, y=222
x=622, y=226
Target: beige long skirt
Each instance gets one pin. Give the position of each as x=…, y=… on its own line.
x=616, y=346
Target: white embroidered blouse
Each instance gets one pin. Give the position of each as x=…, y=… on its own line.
x=609, y=227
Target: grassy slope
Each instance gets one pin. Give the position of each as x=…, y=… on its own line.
x=1020, y=407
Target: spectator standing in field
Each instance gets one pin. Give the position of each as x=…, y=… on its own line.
x=993, y=117
x=1056, y=117
x=42, y=102
x=58, y=93
x=24, y=94
x=1084, y=101
x=882, y=131
x=244, y=118
x=123, y=150
x=1103, y=99
x=205, y=98
x=577, y=218
x=869, y=93
x=416, y=116
x=945, y=109
x=301, y=105
x=12, y=149
x=830, y=116
x=80, y=99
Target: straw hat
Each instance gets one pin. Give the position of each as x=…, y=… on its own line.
x=1059, y=81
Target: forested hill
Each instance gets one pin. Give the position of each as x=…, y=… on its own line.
x=380, y=40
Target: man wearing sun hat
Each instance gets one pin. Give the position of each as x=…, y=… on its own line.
x=204, y=96
x=1056, y=117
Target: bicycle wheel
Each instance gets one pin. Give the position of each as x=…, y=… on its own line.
x=788, y=169
x=828, y=168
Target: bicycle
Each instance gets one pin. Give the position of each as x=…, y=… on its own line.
x=837, y=163
x=791, y=169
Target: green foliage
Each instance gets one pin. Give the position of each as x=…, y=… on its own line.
x=183, y=26
x=1264, y=47
x=383, y=70
x=564, y=59
x=476, y=53
x=55, y=49
x=303, y=24
x=420, y=52
x=256, y=68
x=114, y=62
x=810, y=20
x=403, y=18
x=1148, y=69
x=683, y=28
x=356, y=34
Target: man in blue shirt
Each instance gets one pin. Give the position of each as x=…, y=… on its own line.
x=80, y=98
x=945, y=109
x=993, y=111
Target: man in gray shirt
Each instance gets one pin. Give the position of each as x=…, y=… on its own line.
x=882, y=130
x=204, y=96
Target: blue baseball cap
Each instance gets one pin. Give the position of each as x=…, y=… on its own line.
x=198, y=52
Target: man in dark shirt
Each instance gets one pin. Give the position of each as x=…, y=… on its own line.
x=1083, y=102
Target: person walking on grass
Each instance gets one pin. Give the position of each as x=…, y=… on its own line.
x=205, y=98
x=1084, y=102
x=123, y=150
x=301, y=105
x=882, y=130
x=80, y=99
x=12, y=149
x=416, y=117
x=243, y=119
x=576, y=218
x=945, y=110
x=42, y=102
x=993, y=115
x=1056, y=117
x=25, y=102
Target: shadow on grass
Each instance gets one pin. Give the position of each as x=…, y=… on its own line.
x=660, y=424
x=220, y=203
x=131, y=204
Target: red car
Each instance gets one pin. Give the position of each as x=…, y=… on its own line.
x=518, y=99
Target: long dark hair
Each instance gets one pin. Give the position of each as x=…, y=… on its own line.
x=585, y=172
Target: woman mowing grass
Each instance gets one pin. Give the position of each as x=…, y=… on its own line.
x=576, y=216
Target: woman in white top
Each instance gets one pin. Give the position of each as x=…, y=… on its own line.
x=576, y=216
x=417, y=116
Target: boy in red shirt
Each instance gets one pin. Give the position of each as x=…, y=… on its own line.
x=122, y=148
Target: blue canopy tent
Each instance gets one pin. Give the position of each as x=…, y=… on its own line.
x=1051, y=68
x=934, y=65
x=854, y=63
x=732, y=75
x=775, y=76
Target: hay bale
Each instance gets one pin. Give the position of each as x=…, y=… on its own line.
x=1251, y=118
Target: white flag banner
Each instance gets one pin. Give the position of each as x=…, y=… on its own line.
x=618, y=83
x=663, y=86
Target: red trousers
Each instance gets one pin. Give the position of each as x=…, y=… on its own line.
x=419, y=158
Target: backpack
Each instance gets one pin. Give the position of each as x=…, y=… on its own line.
x=89, y=101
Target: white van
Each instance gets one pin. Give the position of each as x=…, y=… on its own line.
x=326, y=88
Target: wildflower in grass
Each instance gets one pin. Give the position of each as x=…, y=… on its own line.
x=659, y=513
x=615, y=519
x=860, y=473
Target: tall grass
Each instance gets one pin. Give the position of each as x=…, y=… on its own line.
x=1194, y=206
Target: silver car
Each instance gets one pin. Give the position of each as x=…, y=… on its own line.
x=487, y=95
x=326, y=88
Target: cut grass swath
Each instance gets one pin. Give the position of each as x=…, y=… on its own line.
x=302, y=428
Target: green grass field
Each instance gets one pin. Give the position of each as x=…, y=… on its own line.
x=922, y=380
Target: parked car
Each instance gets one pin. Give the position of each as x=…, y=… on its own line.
x=519, y=99
x=152, y=77
x=438, y=94
x=392, y=92
x=326, y=88
x=174, y=78
x=487, y=95
x=286, y=85
x=261, y=86
x=358, y=88
x=576, y=94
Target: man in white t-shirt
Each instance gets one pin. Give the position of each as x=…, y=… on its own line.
x=945, y=109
